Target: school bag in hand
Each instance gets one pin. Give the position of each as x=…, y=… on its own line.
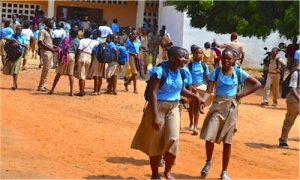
x=13, y=53
x=62, y=51
x=104, y=54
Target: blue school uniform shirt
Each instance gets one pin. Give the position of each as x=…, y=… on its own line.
x=112, y=45
x=133, y=47
x=197, y=72
x=20, y=38
x=114, y=27
x=35, y=34
x=227, y=85
x=171, y=89
x=6, y=32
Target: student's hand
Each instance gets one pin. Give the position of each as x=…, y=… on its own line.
x=156, y=123
x=54, y=46
x=239, y=96
x=201, y=108
x=194, y=90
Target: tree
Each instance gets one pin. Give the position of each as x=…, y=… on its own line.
x=248, y=18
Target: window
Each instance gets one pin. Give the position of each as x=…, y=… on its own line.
x=8, y=9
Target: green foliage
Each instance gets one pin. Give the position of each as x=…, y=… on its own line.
x=248, y=18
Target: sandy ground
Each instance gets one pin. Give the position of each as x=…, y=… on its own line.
x=60, y=137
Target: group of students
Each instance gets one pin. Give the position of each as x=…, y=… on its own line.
x=158, y=133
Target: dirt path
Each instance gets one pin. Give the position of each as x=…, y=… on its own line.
x=61, y=137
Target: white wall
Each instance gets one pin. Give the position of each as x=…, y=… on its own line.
x=178, y=25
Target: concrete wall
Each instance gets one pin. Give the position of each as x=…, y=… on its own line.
x=178, y=25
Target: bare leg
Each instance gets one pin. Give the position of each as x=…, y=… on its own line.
x=170, y=159
x=96, y=84
x=209, y=146
x=81, y=85
x=24, y=63
x=71, y=79
x=114, y=84
x=134, y=82
x=196, y=114
x=191, y=113
x=154, y=167
x=131, y=78
x=100, y=84
x=226, y=155
x=56, y=79
x=15, y=81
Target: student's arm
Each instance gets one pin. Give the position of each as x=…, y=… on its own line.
x=116, y=54
x=41, y=42
x=156, y=122
x=255, y=85
x=294, y=92
x=187, y=93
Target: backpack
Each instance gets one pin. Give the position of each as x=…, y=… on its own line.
x=123, y=55
x=104, y=55
x=285, y=89
x=237, y=73
x=190, y=65
x=62, y=51
x=163, y=79
x=13, y=53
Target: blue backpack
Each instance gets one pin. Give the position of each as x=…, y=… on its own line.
x=123, y=55
x=163, y=79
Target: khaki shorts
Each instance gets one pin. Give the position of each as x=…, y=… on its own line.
x=83, y=65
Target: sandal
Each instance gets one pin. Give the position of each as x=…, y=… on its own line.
x=135, y=92
x=126, y=88
x=81, y=94
x=94, y=94
x=206, y=168
x=51, y=92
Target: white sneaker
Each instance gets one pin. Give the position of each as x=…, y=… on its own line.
x=191, y=127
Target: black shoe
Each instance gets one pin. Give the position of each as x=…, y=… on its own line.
x=81, y=94
x=284, y=145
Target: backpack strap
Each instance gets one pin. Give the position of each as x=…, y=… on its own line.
x=164, y=75
x=204, y=67
x=190, y=66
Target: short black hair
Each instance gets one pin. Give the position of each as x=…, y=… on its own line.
x=174, y=51
x=73, y=32
x=207, y=45
x=87, y=33
x=115, y=21
x=26, y=24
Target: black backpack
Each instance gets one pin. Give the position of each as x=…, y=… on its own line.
x=163, y=79
x=13, y=53
x=285, y=89
x=104, y=54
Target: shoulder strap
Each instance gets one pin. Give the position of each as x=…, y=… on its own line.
x=190, y=66
x=182, y=73
x=164, y=74
x=239, y=74
x=217, y=73
x=204, y=67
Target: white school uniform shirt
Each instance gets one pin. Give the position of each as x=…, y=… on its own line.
x=105, y=31
x=58, y=33
x=27, y=33
x=87, y=45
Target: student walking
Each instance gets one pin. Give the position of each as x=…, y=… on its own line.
x=220, y=121
x=273, y=78
x=292, y=101
x=158, y=133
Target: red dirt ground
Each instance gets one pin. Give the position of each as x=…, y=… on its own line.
x=60, y=137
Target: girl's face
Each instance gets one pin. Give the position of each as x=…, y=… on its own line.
x=227, y=59
x=197, y=54
x=35, y=27
x=181, y=58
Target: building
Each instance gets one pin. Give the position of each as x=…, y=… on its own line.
x=128, y=12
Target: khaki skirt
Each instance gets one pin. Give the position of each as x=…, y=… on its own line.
x=112, y=69
x=220, y=121
x=155, y=143
x=12, y=67
x=96, y=69
x=83, y=65
x=68, y=68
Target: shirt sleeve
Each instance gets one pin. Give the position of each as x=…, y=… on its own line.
x=188, y=76
x=207, y=70
x=297, y=55
x=156, y=70
x=244, y=75
x=294, y=80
